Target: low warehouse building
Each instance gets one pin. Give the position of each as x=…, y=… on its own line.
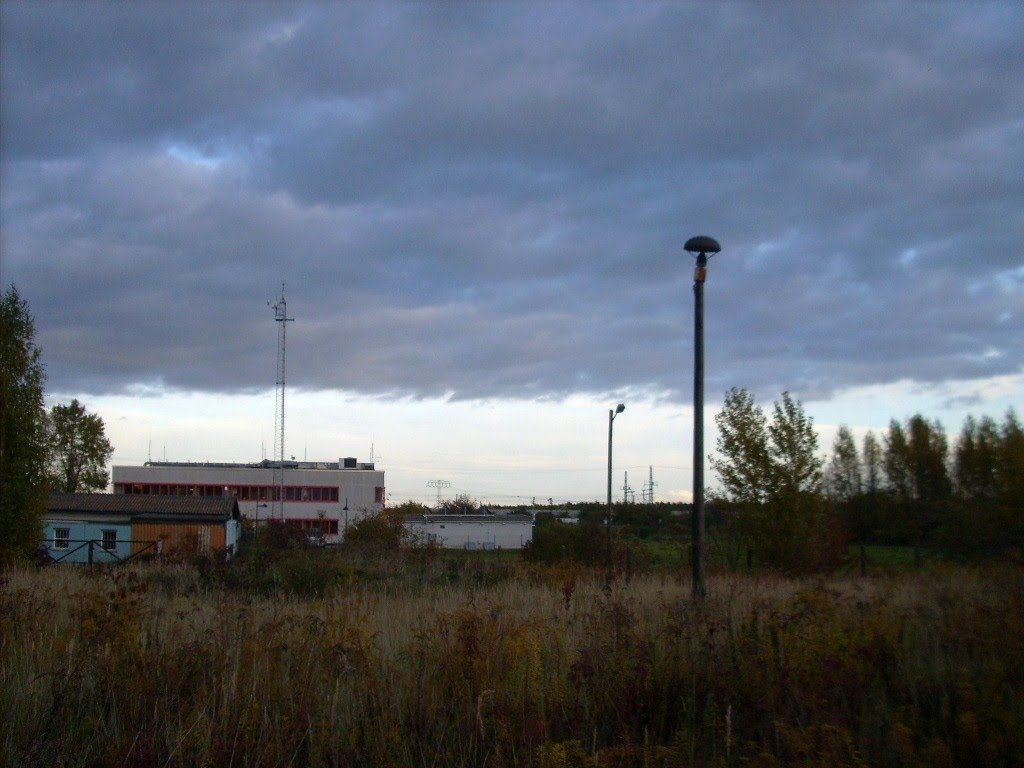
x=513, y=530
x=110, y=528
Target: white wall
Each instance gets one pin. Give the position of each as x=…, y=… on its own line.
x=462, y=534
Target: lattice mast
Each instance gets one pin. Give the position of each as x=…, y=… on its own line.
x=440, y=485
x=649, y=486
x=628, y=494
x=282, y=319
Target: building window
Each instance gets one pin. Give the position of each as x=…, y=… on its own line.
x=109, y=539
x=378, y=494
x=61, y=538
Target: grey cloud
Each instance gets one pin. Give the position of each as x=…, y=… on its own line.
x=482, y=201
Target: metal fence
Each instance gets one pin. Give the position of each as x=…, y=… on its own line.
x=97, y=552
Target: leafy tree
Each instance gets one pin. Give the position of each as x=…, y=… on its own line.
x=761, y=461
x=23, y=444
x=771, y=475
x=915, y=459
x=745, y=469
x=975, y=459
x=379, y=533
x=410, y=508
x=854, y=483
x=915, y=464
x=1010, y=462
x=896, y=460
x=871, y=459
x=460, y=505
x=845, y=481
x=793, y=446
x=988, y=468
x=79, y=449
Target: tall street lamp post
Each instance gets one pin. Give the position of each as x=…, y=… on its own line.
x=608, y=519
x=703, y=247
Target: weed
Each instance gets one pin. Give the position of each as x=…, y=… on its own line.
x=353, y=659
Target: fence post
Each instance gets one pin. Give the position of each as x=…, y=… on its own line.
x=90, y=552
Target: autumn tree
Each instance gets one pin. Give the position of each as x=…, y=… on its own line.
x=988, y=472
x=845, y=479
x=770, y=471
x=79, y=451
x=855, y=487
x=896, y=461
x=23, y=444
x=1010, y=462
x=915, y=461
x=744, y=469
x=410, y=508
x=871, y=462
x=975, y=459
x=460, y=505
x=793, y=446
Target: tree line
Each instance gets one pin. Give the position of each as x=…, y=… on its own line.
x=64, y=448
x=788, y=506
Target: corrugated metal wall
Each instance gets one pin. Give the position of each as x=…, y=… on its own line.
x=187, y=538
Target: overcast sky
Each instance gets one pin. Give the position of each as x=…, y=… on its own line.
x=478, y=211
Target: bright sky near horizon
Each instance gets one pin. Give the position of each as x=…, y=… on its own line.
x=479, y=211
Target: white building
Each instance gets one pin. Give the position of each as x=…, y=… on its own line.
x=513, y=530
x=317, y=496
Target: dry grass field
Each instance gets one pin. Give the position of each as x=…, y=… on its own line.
x=519, y=665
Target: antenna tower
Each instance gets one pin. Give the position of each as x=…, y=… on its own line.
x=440, y=485
x=648, y=491
x=280, y=317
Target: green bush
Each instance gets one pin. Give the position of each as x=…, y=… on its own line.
x=554, y=541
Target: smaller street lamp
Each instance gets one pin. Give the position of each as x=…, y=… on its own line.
x=608, y=520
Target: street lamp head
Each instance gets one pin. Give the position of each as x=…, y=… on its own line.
x=702, y=244
x=620, y=408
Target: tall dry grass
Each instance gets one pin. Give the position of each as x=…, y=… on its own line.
x=155, y=666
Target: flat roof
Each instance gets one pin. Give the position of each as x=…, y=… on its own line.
x=265, y=464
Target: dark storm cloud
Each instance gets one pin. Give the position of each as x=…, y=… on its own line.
x=490, y=200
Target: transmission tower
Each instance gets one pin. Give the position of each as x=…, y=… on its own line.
x=628, y=494
x=282, y=319
x=647, y=494
x=440, y=485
